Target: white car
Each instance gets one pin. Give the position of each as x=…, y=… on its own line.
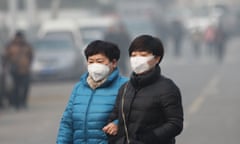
x=200, y=18
x=94, y=28
x=61, y=27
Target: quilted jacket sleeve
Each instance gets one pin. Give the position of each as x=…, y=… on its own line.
x=173, y=111
x=114, y=114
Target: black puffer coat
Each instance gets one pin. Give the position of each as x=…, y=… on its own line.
x=152, y=108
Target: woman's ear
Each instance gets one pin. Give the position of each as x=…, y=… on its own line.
x=114, y=63
x=158, y=58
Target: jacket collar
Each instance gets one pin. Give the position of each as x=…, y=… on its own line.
x=139, y=81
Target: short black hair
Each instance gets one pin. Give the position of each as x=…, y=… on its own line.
x=147, y=43
x=19, y=33
x=110, y=50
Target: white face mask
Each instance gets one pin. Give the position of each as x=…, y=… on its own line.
x=140, y=64
x=98, y=71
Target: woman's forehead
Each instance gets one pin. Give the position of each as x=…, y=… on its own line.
x=141, y=52
x=98, y=56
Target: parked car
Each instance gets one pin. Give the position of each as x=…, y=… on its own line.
x=139, y=25
x=57, y=58
x=200, y=18
x=94, y=28
x=61, y=27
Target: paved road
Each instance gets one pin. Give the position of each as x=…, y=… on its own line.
x=213, y=116
x=210, y=96
x=39, y=123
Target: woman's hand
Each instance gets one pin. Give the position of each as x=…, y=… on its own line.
x=110, y=129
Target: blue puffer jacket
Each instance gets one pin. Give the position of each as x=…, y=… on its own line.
x=88, y=110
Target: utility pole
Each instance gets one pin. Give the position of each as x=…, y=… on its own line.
x=31, y=17
x=12, y=16
x=31, y=12
x=55, y=8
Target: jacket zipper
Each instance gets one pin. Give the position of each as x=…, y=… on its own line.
x=86, y=117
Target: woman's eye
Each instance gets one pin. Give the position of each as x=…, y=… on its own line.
x=99, y=61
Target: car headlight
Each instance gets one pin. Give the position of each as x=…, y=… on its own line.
x=36, y=66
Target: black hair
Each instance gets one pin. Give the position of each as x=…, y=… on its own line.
x=110, y=50
x=19, y=33
x=147, y=43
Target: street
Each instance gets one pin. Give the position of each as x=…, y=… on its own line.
x=209, y=94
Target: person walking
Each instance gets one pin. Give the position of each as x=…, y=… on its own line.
x=1, y=82
x=18, y=57
x=210, y=39
x=220, y=43
x=196, y=41
x=177, y=31
x=93, y=97
x=118, y=34
x=149, y=106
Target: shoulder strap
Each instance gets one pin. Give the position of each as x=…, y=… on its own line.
x=123, y=115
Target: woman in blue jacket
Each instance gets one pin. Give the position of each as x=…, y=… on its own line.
x=93, y=97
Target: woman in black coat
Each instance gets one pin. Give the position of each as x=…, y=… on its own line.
x=149, y=107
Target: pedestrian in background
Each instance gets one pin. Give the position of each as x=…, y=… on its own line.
x=210, y=39
x=149, y=106
x=220, y=43
x=6, y=83
x=177, y=31
x=118, y=34
x=197, y=40
x=18, y=58
x=93, y=97
x=1, y=82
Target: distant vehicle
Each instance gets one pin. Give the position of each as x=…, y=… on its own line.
x=200, y=23
x=139, y=25
x=200, y=18
x=56, y=58
x=61, y=27
x=94, y=28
